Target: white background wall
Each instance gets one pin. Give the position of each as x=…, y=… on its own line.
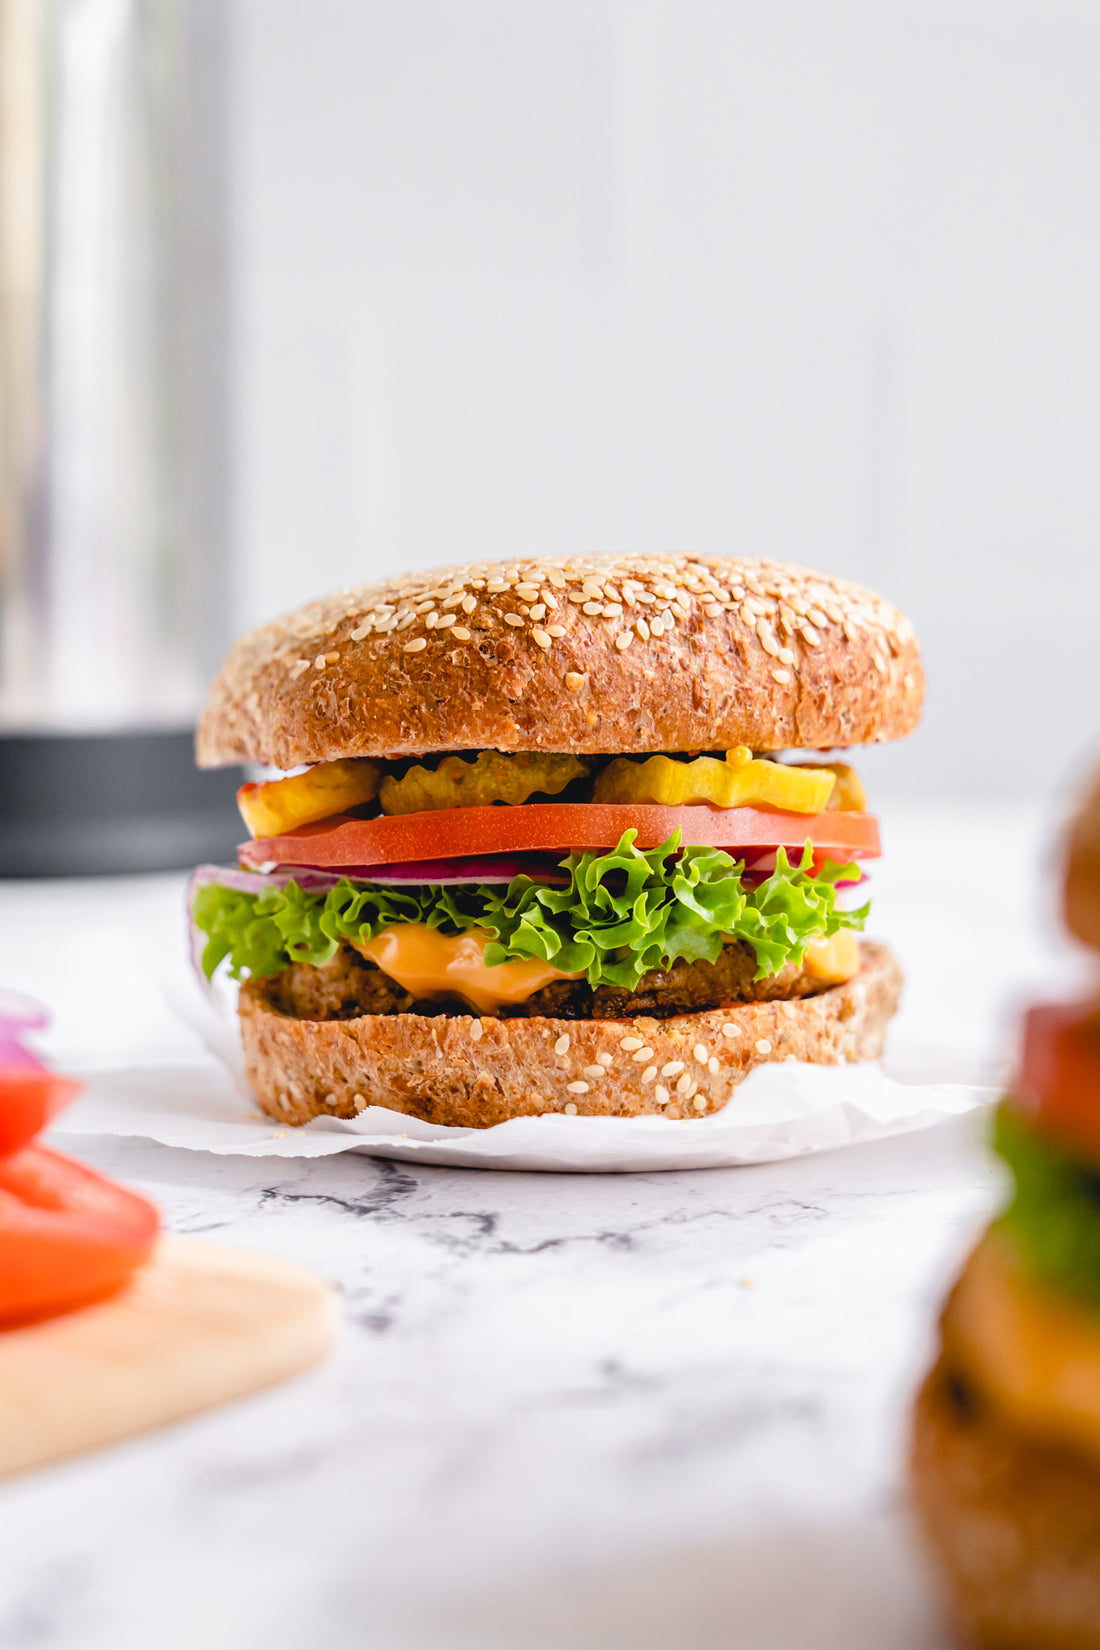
x=813, y=279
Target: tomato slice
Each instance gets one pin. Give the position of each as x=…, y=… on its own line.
x=30, y=1098
x=68, y=1236
x=449, y=833
x=1059, y=1079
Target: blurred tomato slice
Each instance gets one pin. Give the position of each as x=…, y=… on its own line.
x=68, y=1236
x=1058, y=1085
x=30, y=1099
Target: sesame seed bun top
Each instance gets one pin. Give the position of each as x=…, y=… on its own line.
x=594, y=654
x=1082, y=889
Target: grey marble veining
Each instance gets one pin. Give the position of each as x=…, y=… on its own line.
x=565, y=1410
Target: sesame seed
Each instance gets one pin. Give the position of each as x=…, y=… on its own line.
x=476, y=1028
x=447, y=620
x=595, y=1071
x=623, y=640
x=763, y=1045
x=469, y=603
x=319, y=662
x=613, y=610
x=629, y=1043
x=673, y=1068
x=593, y=609
x=538, y=611
x=423, y=607
x=661, y=1095
x=556, y=579
x=573, y=682
x=713, y=610
x=562, y=1044
x=699, y=1053
x=781, y=676
x=641, y=1054
x=649, y=1074
x=604, y=1059
x=786, y=656
x=495, y=586
x=416, y=646
x=431, y=621
x=512, y=618
x=360, y=632
x=529, y=592
x=643, y=630
x=542, y=639
x=731, y=1030
x=570, y=1110
x=700, y=1102
x=592, y=590
x=657, y=625
x=555, y=630
x=683, y=1083
x=460, y=633
x=712, y=1065
x=576, y=1088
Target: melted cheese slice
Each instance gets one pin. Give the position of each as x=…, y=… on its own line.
x=1036, y=1353
x=833, y=960
x=430, y=964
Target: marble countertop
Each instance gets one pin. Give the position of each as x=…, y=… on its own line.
x=658, y=1410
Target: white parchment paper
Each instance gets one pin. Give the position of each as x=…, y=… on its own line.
x=784, y=1110
x=779, y=1111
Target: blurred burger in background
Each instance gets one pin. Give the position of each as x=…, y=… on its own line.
x=1006, y=1441
x=555, y=844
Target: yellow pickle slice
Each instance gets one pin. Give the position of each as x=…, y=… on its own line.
x=491, y=777
x=740, y=781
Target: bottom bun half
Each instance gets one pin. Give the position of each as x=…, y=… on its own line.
x=1013, y=1522
x=472, y=1072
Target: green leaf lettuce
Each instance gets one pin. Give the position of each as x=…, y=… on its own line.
x=1053, y=1220
x=621, y=914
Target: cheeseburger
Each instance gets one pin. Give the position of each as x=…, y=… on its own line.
x=553, y=837
x=1006, y=1441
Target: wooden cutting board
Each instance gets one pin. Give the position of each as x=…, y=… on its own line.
x=199, y=1325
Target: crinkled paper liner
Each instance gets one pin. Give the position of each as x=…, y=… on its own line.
x=779, y=1111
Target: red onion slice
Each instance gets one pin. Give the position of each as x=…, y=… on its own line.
x=18, y=1015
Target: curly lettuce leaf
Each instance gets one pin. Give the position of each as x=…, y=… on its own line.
x=621, y=914
x=1053, y=1220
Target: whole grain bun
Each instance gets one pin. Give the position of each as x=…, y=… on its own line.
x=1082, y=890
x=472, y=1073
x=1013, y=1523
x=599, y=655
